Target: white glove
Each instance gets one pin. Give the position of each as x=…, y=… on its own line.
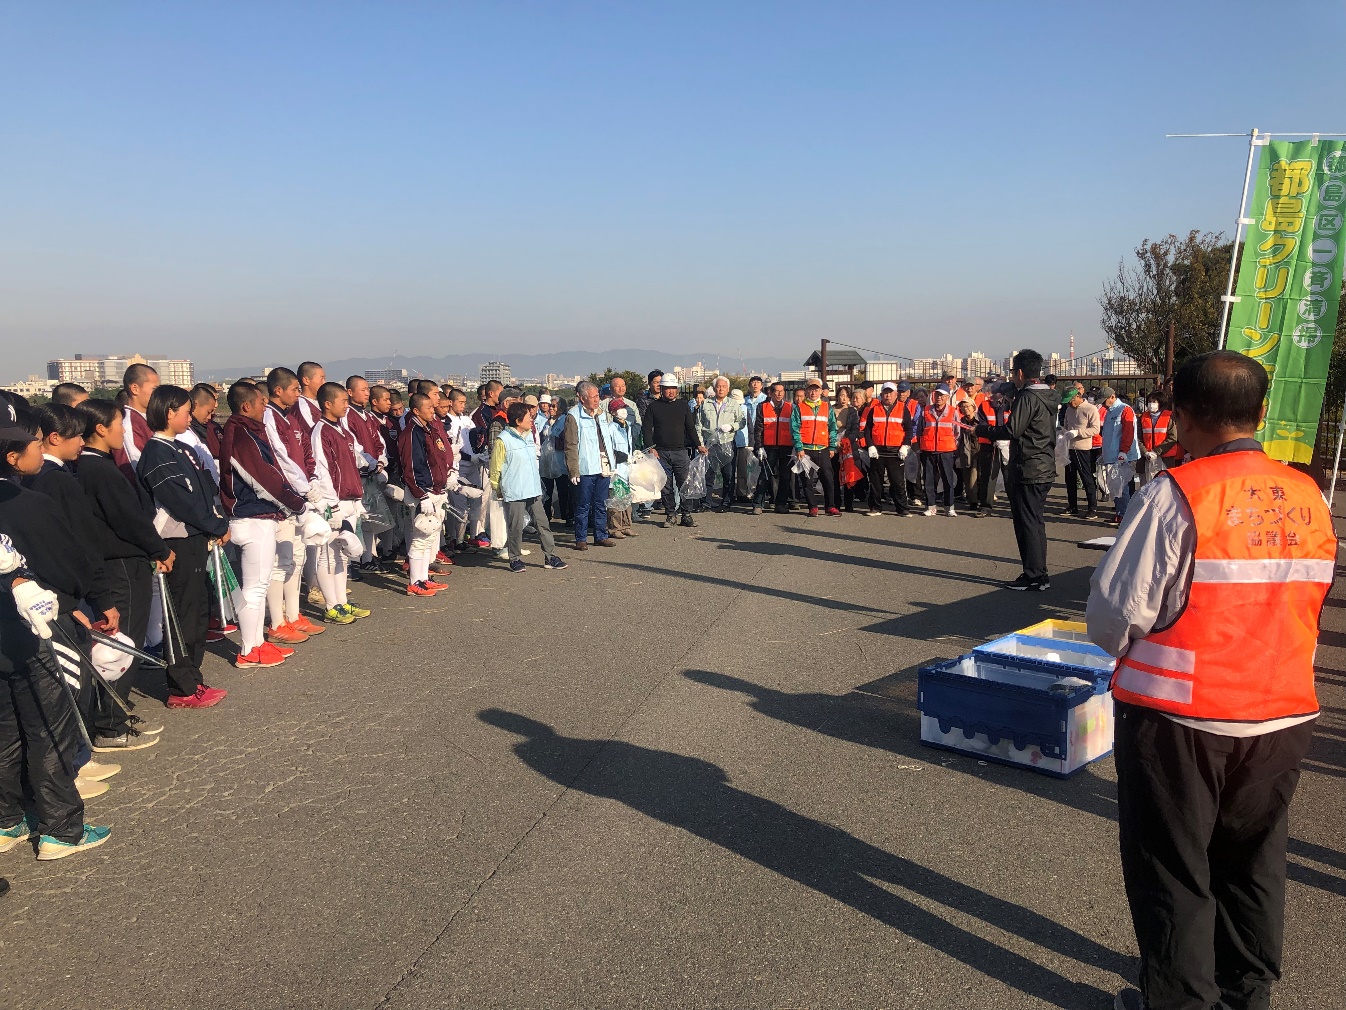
x=394, y=493
x=452, y=482
x=1073, y=433
x=10, y=558
x=334, y=522
x=903, y=452
x=428, y=505
x=726, y=428
x=873, y=452
x=574, y=480
x=37, y=606
x=761, y=454
x=314, y=493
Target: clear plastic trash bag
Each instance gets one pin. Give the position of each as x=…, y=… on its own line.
x=752, y=471
x=1062, y=448
x=694, y=486
x=647, y=478
x=1112, y=477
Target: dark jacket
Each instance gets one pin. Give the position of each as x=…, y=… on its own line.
x=173, y=477
x=53, y=552
x=124, y=511
x=57, y=482
x=252, y=485
x=670, y=425
x=1032, y=433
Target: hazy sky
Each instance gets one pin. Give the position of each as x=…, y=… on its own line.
x=245, y=183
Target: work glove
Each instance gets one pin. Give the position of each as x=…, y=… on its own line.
x=334, y=523
x=37, y=606
x=574, y=480
x=314, y=493
x=873, y=452
x=428, y=505
x=10, y=558
x=761, y=454
x=1073, y=433
x=394, y=493
x=1121, y=457
x=903, y=452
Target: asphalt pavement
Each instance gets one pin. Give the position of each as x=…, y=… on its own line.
x=685, y=772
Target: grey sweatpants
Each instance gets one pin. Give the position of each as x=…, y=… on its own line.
x=516, y=517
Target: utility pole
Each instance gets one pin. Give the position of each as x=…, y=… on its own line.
x=822, y=368
x=1168, y=367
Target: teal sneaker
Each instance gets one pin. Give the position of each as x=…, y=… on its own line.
x=51, y=848
x=21, y=832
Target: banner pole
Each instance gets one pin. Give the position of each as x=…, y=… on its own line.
x=1336, y=463
x=1228, y=298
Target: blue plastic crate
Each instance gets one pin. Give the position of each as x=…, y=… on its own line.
x=1069, y=658
x=1015, y=711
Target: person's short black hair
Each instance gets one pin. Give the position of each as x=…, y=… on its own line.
x=377, y=390
x=516, y=412
x=328, y=392
x=396, y=394
x=492, y=386
x=350, y=379
x=25, y=420
x=758, y=378
x=278, y=379
x=241, y=393
x=775, y=384
x=866, y=384
x=1221, y=391
x=164, y=401
x=97, y=412
x=135, y=375
x=61, y=419
x=1028, y=362
x=65, y=392
x=203, y=391
x=1049, y=378
x=658, y=373
x=455, y=392
x=418, y=400
x=307, y=369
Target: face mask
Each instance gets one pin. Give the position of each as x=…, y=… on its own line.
x=1154, y=407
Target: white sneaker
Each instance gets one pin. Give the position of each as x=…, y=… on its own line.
x=873, y=512
x=97, y=771
x=932, y=511
x=951, y=511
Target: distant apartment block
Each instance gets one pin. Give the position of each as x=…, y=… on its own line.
x=32, y=386
x=92, y=370
x=496, y=371
x=397, y=376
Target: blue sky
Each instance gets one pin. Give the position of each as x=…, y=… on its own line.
x=252, y=183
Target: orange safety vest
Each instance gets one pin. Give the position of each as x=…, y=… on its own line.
x=1153, y=431
x=939, y=432
x=995, y=417
x=889, y=425
x=776, y=425
x=813, y=425
x=1242, y=649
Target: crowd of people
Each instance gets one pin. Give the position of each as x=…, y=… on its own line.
x=141, y=529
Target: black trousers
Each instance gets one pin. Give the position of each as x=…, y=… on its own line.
x=825, y=477
x=1080, y=470
x=1203, y=825
x=189, y=588
x=39, y=736
x=988, y=466
x=774, y=483
x=936, y=466
x=675, y=461
x=892, y=468
x=1030, y=530
x=131, y=581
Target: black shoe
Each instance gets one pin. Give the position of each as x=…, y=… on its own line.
x=1018, y=585
x=666, y=523
x=1128, y=999
x=1089, y=515
x=687, y=520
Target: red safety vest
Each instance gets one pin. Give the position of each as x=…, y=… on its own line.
x=776, y=425
x=1242, y=649
x=813, y=425
x=939, y=432
x=992, y=415
x=1153, y=431
x=889, y=425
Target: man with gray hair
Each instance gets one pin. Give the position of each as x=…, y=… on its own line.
x=717, y=421
x=589, y=446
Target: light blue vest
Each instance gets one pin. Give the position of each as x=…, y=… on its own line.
x=519, y=477
x=588, y=428
x=1112, y=434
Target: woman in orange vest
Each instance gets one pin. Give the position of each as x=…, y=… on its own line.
x=937, y=435
x=774, y=445
x=1158, y=433
x=1211, y=597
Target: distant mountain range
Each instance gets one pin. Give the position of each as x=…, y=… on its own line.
x=537, y=365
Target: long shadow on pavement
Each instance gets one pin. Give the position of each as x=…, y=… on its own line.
x=775, y=548
x=694, y=795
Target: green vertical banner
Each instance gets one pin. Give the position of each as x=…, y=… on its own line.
x=1289, y=286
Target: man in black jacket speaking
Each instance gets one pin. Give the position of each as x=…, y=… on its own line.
x=670, y=434
x=1031, y=430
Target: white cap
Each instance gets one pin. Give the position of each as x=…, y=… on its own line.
x=352, y=545
x=544, y=398
x=888, y=387
x=314, y=529
x=425, y=523
x=668, y=381
x=109, y=662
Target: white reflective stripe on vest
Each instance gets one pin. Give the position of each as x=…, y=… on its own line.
x=1166, y=657
x=1153, y=685
x=1264, y=570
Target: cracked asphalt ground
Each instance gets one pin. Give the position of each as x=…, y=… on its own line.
x=683, y=773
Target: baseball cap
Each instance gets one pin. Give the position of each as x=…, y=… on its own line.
x=9, y=424
x=812, y=383
x=888, y=387
x=903, y=386
x=1070, y=393
x=1107, y=392
x=941, y=389
x=531, y=400
x=544, y=398
x=668, y=382
x=616, y=404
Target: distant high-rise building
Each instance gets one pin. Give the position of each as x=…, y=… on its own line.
x=496, y=371
x=107, y=369
x=397, y=376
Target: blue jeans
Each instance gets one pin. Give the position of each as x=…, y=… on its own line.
x=591, y=499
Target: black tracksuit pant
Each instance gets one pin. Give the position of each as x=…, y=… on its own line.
x=675, y=462
x=824, y=460
x=937, y=467
x=988, y=465
x=774, y=483
x=131, y=581
x=1080, y=470
x=890, y=467
x=190, y=590
x=1030, y=529
x=1203, y=827
x=39, y=735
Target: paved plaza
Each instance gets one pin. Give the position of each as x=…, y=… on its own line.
x=685, y=772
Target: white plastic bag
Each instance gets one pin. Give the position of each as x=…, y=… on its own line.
x=694, y=486
x=1062, y=448
x=806, y=466
x=647, y=478
x=752, y=470
x=1112, y=477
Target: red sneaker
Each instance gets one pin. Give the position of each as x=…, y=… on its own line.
x=433, y=584
x=257, y=658
x=285, y=634
x=443, y=558
x=276, y=650
x=834, y=511
x=419, y=589
x=406, y=566
x=813, y=511
x=303, y=625
x=214, y=636
x=205, y=697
